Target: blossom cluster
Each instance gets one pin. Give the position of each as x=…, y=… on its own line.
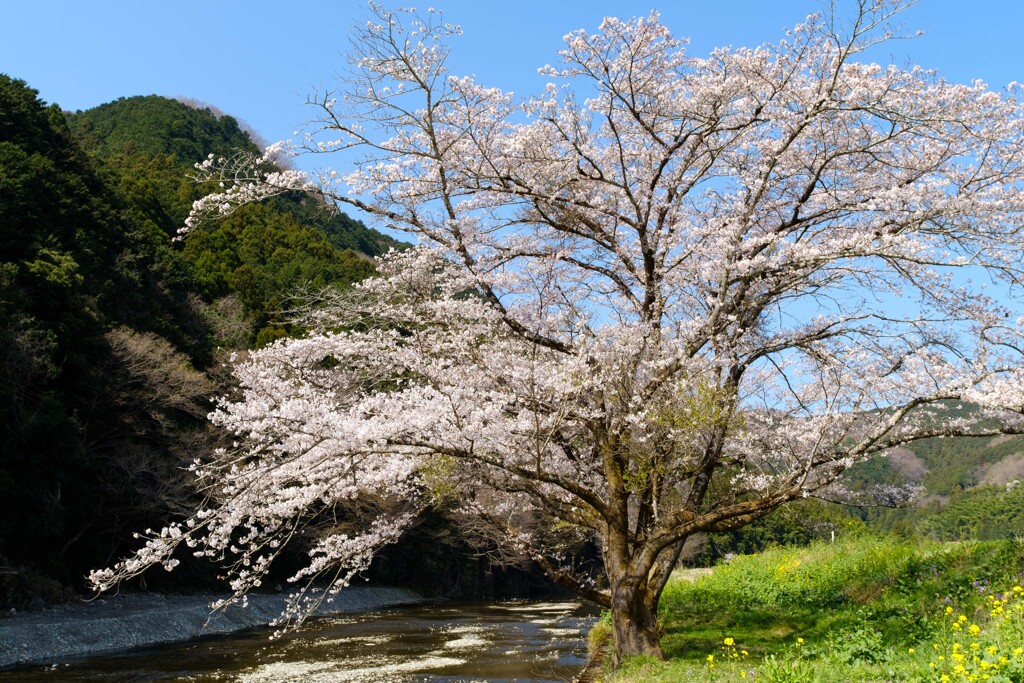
x=665, y=296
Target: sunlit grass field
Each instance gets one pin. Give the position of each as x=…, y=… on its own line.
x=863, y=609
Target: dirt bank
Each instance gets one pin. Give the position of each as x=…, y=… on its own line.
x=128, y=621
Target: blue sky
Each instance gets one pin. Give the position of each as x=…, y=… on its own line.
x=258, y=59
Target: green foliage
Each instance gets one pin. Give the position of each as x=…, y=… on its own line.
x=157, y=126
x=953, y=464
x=776, y=669
x=58, y=247
x=950, y=465
x=791, y=577
x=968, y=486
x=344, y=232
x=797, y=524
x=600, y=634
x=983, y=513
x=860, y=644
x=263, y=256
x=103, y=317
x=76, y=261
x=151, y=144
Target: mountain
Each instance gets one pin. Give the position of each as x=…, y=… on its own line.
x=944, y=466
x=246, y=266
x=158, y=126
x=112, y=333
x=98, y=329
x=156, y=141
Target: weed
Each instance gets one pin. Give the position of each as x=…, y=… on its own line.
x=861, y=610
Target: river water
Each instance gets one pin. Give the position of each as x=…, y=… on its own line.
x=496, y=642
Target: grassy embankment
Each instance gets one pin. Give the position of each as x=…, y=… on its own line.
x=859, y=610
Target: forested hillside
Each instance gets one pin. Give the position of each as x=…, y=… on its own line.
x=249, y=263
x=965, y=489
x=152, y=143
x=107, y=326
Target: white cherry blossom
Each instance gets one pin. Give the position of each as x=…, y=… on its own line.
x=666, y=296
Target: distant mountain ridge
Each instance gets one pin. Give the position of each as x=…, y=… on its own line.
x=970, y=487
x=945, y=466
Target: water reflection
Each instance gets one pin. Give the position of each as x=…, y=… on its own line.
x=524, y=642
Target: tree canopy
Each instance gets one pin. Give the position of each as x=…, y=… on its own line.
x=665, y=296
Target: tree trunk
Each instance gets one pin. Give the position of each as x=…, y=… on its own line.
x=635, y=628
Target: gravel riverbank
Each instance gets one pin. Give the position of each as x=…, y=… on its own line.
x=128, y=621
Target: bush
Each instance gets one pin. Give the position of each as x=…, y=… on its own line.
x=823, y=574
x=22, y=588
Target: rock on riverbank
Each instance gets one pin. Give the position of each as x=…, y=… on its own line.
x=128, y=621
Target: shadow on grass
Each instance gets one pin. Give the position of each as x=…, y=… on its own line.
x=692, y=635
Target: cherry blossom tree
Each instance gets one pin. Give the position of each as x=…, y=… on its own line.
x=666, y=296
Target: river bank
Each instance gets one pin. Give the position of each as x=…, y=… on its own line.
x=128, y=621
x=523, y=641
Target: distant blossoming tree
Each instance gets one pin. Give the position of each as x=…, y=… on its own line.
x=664, y=297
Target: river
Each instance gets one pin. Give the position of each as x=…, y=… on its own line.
x=496, y=642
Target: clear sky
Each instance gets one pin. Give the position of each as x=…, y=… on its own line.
x=258, y=59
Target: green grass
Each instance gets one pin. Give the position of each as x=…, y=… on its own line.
x=860, y=610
